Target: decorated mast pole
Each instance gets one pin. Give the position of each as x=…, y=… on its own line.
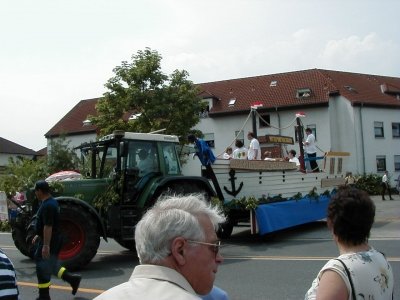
x=299, y=133
x=253, y=108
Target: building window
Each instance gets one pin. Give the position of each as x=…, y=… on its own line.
x=378, y=129
x=313, y=128
x=209, y=139
x=332, y=166
x=265, y=120
x=397, y=163
x=204, y=113
x=381, y=163
x=239, y=136
x=303, y=93
x=340, y=165
x=396, y=130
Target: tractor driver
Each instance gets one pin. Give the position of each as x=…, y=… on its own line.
x=145, y=163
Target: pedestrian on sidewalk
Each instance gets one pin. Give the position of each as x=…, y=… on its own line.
x=386, y=186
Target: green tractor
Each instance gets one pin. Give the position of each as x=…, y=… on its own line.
x=128, y=172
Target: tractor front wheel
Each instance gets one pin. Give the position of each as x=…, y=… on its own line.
x=81, y=237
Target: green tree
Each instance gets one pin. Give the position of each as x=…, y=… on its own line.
x=61, y=156
x=22, y=174
x=158, y=101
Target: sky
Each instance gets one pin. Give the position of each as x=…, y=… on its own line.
x=54, y=53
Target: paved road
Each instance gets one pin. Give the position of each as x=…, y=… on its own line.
x=277, y=266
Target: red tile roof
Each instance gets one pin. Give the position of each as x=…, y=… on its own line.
x=72, y=122
x=365, y=88
x=357, y=88
x=280, y=90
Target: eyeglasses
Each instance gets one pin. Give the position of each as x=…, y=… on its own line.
x=214, y=247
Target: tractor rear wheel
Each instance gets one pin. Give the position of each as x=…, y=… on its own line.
x=23, y=231
x=225, y=230
x=184, y=188
x=19, y=236
x=130, y=245
x=81, y=237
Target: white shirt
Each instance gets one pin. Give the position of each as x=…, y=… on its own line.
x=310, y=148
x=226, y=156
x=371, y=274
x=295, y=160
x=240, y=153
x=254, y=145
x=384, y=179
x=146, y=166
x=150, y=282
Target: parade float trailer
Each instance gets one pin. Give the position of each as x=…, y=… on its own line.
x=274, y=195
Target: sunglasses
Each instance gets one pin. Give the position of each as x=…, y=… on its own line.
x=213, y=246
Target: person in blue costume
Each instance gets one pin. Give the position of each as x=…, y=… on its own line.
x=216, y=294
x=203, y=151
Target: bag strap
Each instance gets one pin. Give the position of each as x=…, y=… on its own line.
x=353, y=293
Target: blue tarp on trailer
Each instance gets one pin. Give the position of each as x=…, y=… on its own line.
x=280, y=215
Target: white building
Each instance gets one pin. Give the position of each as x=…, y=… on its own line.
x=9, y=149
x=357, y=113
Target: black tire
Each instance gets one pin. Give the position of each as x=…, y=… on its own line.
x=81, y=236
x=19, y=236
x=130, y=245
x=184, y=188
x=225, y=230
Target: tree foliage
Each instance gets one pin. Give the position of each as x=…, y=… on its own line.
x=158, y=101
x=61, y=156
x=21, y=174
x=371, y=183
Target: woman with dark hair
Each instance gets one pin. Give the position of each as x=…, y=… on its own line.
x=360, y=270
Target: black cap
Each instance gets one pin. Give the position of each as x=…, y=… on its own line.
x=42, y=185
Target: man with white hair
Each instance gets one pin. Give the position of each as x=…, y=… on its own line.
x=178, y=251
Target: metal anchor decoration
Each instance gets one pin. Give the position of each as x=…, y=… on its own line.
x=232, y=179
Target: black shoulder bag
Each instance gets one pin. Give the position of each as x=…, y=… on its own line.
x=353, y=293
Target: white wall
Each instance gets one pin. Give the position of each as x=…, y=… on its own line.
x=75, y=140
x=387, y=146
x=344, y=132
x=352, y=130
x=5, y=156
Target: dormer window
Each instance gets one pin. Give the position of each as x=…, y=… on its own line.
x=87, y=122
x=273, y=83
x=390, y=90
x=350, y=88
x=303, y=93
x=232, y=102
